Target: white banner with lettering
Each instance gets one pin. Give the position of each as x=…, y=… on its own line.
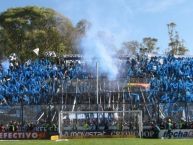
x=177, y=133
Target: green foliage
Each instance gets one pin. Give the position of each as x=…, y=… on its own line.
x=149, y=45
x=175, y=44
x=27, y=28
x=81, y=28
x=4, y=43
x=130, y=47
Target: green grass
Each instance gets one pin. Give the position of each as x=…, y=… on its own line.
x=103, y=141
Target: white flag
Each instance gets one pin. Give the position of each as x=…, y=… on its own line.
x=36, y=51
x=183, y=115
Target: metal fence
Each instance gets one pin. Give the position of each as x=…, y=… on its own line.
x=49, y=113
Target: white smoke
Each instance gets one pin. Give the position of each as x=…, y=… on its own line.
x=99, y=45
x=110, y=27
x=5, y=65
x=106, y=35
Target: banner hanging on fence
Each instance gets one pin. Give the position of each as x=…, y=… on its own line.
x=23, y=135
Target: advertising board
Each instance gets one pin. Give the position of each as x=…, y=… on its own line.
x=23, y=135
x=177, y=133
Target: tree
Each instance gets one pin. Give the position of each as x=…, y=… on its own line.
x=24, y=29
x=175, y=44
x=130, y=47
x=4, y=42
x=148, y=45
x=80, y=31
x=82, y=26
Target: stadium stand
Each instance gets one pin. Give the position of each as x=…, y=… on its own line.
x=161, y=86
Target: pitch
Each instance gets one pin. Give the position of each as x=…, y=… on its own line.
x=103, y=141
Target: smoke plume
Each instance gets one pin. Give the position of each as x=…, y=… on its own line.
x=106, y=34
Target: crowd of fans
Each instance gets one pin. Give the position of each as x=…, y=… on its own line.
x=173, y=78
x=36, y=82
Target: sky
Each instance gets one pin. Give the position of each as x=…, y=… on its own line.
x=125, y=20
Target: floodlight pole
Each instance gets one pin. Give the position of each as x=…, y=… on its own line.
x=97, y=85
x=97, y=93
